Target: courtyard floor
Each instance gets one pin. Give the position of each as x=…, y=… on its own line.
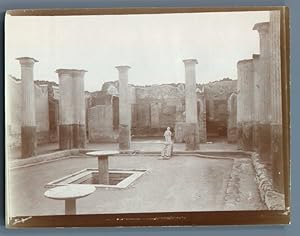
x=183, y=183
x=142, y=144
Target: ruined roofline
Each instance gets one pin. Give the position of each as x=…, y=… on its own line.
x=26, y=58
x=171, y=84
x=245, y=61
x=255, y=56
x=262, y=26
x=62, y=70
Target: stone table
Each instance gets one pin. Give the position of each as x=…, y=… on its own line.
x=102, y=156
x=69, y=193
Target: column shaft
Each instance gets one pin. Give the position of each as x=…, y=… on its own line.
x=276, y=104
x=245, y=104
x=191, y=118
x=72, y=129
x=264, y=128
x=124, y=109
x=28, y=128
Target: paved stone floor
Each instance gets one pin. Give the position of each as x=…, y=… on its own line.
x=183, y=183
x=142, y=144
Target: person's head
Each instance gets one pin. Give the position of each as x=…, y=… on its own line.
x=168, y=128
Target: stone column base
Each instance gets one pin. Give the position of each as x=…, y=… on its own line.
x=65, y=137
x=264, y=141
x=247, y=128
x=124, y=137
x=255, y=136
x=202, y=128
x=240, y=136
x=72, y=136
x=79, y=136
x=190, y=137
x=277, y=157
x=28, y=141
x=232, y=134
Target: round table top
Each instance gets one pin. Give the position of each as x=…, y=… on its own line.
x=69, y=192
x=103, y=153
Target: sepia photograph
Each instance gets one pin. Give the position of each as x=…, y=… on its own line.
x=170, y=113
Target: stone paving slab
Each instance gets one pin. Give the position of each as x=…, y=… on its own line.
x=142, y=145
x=183, y=183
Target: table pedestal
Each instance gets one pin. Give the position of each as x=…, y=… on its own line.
x=103, y=175
x=70, y=207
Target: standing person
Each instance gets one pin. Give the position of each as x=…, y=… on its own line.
x=168, y=145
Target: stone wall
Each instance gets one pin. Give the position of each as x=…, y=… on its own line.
x=216, y=96
x=102, y=116
x=260, y=115
x=157, y=107
x=14, y=112
x=100, y=124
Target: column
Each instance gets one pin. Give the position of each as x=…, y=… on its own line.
x=256, y=100
x=264, y=128
x=79, y=126
x=232, y=118
x=28, y=128
x=124, y=109
x=72, y=128
x=245, y=106
x=66, y=108
x=191, y=119
x=276, y=104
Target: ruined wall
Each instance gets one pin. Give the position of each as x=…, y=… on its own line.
x=216, y=96
x=265, y=112
x=14, y=112
x=102, y=115
x=100, y=124
x=157, y=107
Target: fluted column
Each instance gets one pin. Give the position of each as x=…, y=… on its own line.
x=71, y=109
x=28, y=128
x=79, y=127
x=264, y=128
x=124, y=109
x=245, y=104
x=191, y=118
x=256, y=100
x=276, y=104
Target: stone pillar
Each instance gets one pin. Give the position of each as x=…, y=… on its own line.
x=72, y=127
x=79, y=126
x=245, y=104
x=28, y=128
x=124, y=109
x=232, y=119
x=192, y=129
x=264, y=128
x=256, y=100
x=276, y=104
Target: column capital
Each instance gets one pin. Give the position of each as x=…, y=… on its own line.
x=255, y=56
x=26, y=61
x=262, y=27
x=123, y=68
x=71, y=72
x=244, y=62
x=190, y=61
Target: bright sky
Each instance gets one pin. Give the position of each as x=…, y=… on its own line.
x=153, y=45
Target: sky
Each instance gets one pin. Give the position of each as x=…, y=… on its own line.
x=153, y=45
